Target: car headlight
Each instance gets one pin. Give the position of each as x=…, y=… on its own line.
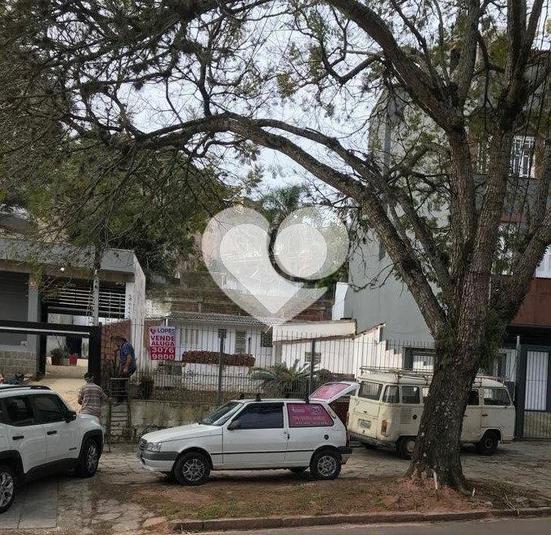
x=153, y=446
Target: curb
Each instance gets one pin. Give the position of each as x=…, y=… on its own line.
x=244, y=524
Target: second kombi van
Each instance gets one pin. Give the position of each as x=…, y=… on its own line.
x=387, y=407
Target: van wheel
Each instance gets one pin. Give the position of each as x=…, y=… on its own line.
x=405, y=447
x=489, y=443
x=325, y=464
x=191, y=469
x=89, y=459
x=7, y=487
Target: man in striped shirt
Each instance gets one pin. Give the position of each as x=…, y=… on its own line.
x=90, y=397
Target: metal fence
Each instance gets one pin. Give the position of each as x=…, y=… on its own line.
x=213, y=364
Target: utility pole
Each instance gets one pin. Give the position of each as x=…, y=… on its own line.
x=222, y=337
x=95, y=286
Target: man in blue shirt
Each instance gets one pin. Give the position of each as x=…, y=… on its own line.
x=127, y=357
x=127, y=364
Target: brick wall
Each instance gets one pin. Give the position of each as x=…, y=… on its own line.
x=12, y=362
x=108, y=345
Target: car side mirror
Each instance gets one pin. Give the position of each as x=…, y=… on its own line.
x=70, y=416
x=234, y=425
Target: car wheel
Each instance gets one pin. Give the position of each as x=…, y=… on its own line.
x=325, y=464
x=405, y=447
x=489, y=443
x=89, y=459
x=7, y=487
x=298, y=469
x=191, y=469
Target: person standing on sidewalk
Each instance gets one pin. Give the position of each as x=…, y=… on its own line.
x=90, y=397
x=127, y=363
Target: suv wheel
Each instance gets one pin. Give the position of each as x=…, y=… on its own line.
x=191, y=469
x=7, y=488
x=89, y=459
x=325, y=464
x=489, y=443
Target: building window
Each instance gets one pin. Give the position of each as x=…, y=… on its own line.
x=522, y=156
x=240, y=342
x=266, y=338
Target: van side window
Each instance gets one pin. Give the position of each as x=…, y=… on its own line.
x=411, y=395
x=473, y=398
x=391, y=395
x=496, y=396
x=370, y=391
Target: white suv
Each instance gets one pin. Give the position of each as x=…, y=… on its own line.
x=39, y=435
x=251, y=434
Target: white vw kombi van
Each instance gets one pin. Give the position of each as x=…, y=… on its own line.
x=387, y=407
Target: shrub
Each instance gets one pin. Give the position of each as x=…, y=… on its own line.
x=212, y=357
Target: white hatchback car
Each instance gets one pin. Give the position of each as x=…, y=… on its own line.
x=251, y=434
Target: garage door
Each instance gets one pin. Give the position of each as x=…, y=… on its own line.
x=536, y=380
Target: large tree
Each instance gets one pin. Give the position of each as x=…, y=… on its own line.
x=301, y=78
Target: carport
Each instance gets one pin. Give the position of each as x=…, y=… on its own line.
x=93, y=333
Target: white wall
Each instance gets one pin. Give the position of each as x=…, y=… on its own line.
x=135, y=311
x=344, y=355
x=337, y=311
x=204, y=337
x=543, y=270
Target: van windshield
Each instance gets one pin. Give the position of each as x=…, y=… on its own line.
x=222, y=414
x=370, y=391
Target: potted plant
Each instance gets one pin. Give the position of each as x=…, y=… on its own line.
x=58, y=355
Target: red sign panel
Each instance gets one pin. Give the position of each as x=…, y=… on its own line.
x=308, y=415
x=162, y=343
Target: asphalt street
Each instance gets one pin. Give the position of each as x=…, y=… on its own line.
x=536, y=526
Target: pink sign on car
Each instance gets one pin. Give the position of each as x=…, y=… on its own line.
x=308, y=415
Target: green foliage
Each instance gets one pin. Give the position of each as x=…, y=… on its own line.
x=280, y=380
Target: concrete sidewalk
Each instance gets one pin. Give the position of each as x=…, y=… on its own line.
x=88, y=506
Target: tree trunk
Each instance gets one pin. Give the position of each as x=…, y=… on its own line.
x=437, y=449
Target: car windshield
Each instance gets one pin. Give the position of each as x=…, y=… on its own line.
x=222, y=414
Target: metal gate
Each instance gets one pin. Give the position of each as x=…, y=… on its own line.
x=535, y=401
x=93, y=333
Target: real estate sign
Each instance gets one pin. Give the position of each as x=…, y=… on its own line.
x=162, y=343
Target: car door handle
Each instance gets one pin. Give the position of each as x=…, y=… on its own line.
x=19, y=437
x=51, y=433
x=484, y=415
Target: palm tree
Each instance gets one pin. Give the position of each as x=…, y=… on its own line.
x=278, y=203
x=280, y=380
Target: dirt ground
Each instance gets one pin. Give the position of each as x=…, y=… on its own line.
x=283, y=494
